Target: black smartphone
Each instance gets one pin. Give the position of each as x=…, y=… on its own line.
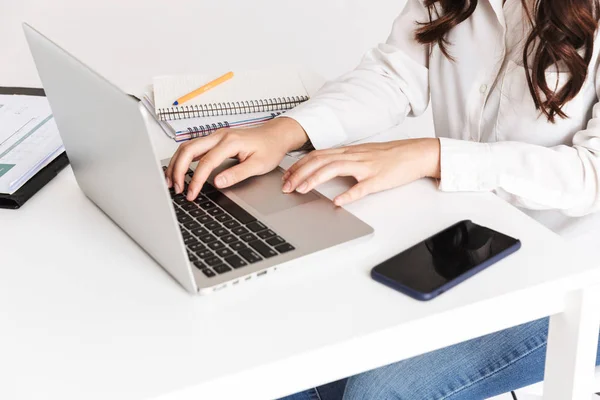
x=446, y=259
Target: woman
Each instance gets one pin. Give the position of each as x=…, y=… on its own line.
x=514, y=89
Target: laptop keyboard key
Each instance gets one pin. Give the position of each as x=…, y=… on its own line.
x=212, y=261
x=284, y=248
x=195, y=247
x=232, y=208
x=256, y=226
x=180, y=199
x=250, y=255
x=208, y=188
x=184, y=232
x=274, y=241
x=192, y=225
x=208, y=238
x=223, y=217
x=199, y=232
x=208, y=272
x=212, y=225
x=205, y=254
x=184, y=218
x=240, y=230
x=222, y=268
x=220, y=232
x=224, y=252
x=266, y=234
x=248, y=237
x=215, y=211
x=263, y=249
x=205, y=219
x=229, y=238
x=207, y=205
x=189, y=240
x=216, y=245
x=200, y=199
x=196, y=213
x=237, y=246
x=231, y=224
x=192, y=257
x=189, y=206
x=235, y=261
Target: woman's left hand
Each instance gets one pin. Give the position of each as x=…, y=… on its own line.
x=376, y=167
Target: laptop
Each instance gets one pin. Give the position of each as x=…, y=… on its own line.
x=219, y=240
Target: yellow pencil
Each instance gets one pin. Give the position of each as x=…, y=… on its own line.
x=204, y=88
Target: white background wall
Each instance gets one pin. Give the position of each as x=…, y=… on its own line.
x=129, y=41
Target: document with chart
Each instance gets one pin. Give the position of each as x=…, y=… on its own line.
x=29, y=139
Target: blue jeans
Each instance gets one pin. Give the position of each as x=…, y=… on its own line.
x=480, y=368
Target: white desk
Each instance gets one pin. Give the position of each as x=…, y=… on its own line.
x=86, y=314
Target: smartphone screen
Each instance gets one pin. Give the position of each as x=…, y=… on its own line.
x=450, y=256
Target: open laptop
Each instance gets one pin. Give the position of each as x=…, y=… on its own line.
x=222, y=238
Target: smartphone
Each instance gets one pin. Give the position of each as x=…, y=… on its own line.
x=446, y=259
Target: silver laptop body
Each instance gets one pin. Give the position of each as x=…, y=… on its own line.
x=105, y=133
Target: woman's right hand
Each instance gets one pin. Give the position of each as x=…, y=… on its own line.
x=259, y=151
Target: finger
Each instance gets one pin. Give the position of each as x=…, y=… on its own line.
x=303, y=172
x=180, y=162
x=308, y=158
x=244, y=170
x=211, y=160
x=348, y=150
x=169, y=171
x=333, y=170
x=200, y=146
x=300, y=174
x=186, y=154
x=358, y=191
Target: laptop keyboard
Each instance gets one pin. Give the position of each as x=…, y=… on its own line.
x=220, y=235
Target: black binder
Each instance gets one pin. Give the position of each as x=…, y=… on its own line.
x=45, y=175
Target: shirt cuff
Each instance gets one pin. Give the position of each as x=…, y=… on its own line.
x=320, y=124
x=466, y=166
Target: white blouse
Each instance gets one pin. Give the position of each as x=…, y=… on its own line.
x=492, y=137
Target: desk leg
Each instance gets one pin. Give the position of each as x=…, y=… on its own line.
x=572, y=344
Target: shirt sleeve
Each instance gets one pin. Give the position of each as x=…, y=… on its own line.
x=564, y=177
x=390, y=83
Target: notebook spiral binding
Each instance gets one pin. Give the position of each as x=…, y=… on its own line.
x=193, y=132
x=205, y=130
x=230, y=108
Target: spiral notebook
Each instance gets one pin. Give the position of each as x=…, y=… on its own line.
x=190, y=128
x=260, y=91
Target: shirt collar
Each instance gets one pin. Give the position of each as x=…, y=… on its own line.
x=498, y=9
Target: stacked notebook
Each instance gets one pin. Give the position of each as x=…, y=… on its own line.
x=248, y=99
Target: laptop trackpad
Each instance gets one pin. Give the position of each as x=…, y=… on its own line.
x=265, y=195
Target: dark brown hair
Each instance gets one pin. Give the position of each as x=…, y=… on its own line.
x=559, y=29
